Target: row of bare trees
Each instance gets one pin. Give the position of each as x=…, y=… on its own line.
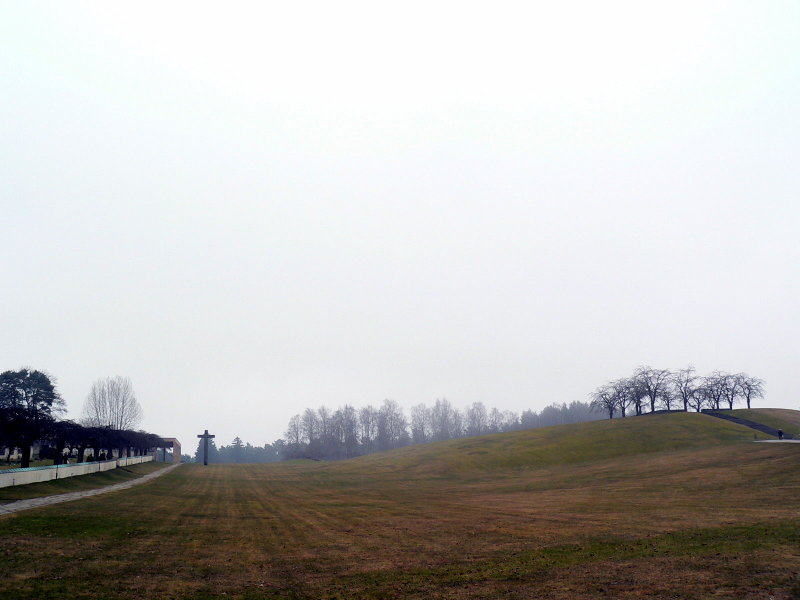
x=649, y=389
x=348, y=432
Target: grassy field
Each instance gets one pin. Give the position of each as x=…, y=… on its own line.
x=667, y=506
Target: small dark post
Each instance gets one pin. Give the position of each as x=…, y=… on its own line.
x=206, y=436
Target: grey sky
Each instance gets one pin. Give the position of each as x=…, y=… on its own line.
x=249, y=209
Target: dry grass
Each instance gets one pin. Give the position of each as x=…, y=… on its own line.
x=719, y=521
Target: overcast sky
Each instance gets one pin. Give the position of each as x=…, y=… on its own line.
x=250, y=209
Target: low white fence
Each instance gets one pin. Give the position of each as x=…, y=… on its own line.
x=9, y=477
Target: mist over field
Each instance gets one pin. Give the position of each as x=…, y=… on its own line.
x=254, y=209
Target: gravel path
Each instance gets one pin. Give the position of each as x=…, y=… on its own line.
x=19, y=505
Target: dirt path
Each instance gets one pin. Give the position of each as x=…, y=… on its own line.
x=19, y=505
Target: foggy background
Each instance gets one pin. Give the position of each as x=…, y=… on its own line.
x=250, y=209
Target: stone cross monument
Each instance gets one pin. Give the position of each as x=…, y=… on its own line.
x=206, y=436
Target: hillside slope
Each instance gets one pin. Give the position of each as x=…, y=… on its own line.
x=778, y=418
x=563, y=444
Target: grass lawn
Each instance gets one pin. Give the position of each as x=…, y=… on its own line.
x=669, y=506
x=77, y=483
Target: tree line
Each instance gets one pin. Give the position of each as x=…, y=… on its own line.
x=240, y=452
x=30, y=411
x=347, y=432
x=325, y=434
x=649, y=390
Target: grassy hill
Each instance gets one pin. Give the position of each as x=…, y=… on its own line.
x=779, y=418
x=565, y=444
x=661, y=506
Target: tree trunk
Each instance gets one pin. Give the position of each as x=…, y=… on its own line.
x=25, y=458
x=59, y=457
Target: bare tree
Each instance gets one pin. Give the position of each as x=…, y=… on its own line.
x=495, y=423
x=310, y=425
x=446, y=420
x=368, y=426
x=346, y=426
x=731, y=390
x=420, y=424
x=511, y=420
x=637, y=393
x=112, y=403
x=392, y=426
x=294, y=433
x=714, y=389
x=326, y=429
x=654, y=382
x=668, y=398
x=699, y=397
x=477, y=419
x=604, y=399
x=684, y=385
x=751, y=387
x=622, y=393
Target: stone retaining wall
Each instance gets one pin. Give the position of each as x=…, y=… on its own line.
x=11, y=477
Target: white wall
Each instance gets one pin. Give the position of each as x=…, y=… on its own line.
x=11, y=477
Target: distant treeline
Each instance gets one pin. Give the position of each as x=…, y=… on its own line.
x=240, y=452
x=348, y=432
x=649, y=389
x=325, y=434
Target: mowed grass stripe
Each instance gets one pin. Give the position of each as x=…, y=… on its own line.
x=625, y=525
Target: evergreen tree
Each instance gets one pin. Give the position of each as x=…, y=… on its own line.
x=213, y=453
x=29, y=404
x=237, y=450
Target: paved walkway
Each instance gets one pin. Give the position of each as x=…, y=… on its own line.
x=784, y=441
x=19, y=505
x=751, y=424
